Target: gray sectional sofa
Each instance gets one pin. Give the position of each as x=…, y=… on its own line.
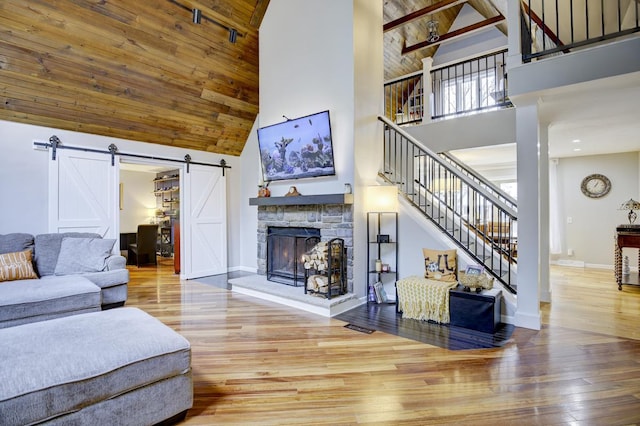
x=77, y=274
x=69, y=360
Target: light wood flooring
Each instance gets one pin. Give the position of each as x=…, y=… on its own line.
x=257, y=362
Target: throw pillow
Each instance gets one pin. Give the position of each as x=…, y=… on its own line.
x=13, y=243
x=440, y=264
x=80, y=255
x=16, y=266
x=47, y=249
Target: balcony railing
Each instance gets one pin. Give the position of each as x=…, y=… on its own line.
x=470, y=86
x=404, y=99
x=552, y=27
x=463, y=88
x=476, y=220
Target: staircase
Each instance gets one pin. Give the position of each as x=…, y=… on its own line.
x=479, y=219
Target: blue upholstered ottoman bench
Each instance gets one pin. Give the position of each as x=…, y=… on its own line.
x=115, y=367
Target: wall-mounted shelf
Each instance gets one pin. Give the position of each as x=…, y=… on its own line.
x=301, y=200
x=167, y=192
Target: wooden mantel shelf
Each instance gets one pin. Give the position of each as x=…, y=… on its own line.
x=301, y=200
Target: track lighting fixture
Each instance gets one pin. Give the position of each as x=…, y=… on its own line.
x=198, y=17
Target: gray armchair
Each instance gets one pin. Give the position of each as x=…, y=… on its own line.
x=143, y=251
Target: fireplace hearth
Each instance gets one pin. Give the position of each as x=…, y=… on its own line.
x=285, y=247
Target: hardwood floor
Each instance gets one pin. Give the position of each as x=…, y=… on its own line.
x=256, y=362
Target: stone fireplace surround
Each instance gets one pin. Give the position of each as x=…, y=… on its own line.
x=332, y=214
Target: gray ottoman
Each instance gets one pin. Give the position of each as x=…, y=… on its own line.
x=115, y=367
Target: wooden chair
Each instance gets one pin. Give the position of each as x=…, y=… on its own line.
x=144, y=249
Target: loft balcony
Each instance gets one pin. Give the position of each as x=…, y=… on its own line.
x=543, y=40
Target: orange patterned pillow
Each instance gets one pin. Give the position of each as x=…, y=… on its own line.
x=440, y=264
x=16, y=266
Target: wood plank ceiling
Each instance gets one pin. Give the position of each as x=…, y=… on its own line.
x=138, y=70
x=144, y=71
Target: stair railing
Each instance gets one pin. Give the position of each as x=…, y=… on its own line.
x=480, y=180
x=476, y=220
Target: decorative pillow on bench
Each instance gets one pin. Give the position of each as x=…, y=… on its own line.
x=80, y=255
x=440, y=265
x=16, y=266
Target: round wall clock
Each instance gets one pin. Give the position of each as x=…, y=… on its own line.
x=595, y=185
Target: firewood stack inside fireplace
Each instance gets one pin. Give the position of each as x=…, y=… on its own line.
x=285, y=247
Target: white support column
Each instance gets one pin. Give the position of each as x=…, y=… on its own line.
x=528, y=159
x=543, y=210
x=427, y=94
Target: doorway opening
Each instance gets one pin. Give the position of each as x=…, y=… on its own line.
x=150, y=195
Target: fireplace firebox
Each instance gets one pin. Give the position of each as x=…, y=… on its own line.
x=285, y=247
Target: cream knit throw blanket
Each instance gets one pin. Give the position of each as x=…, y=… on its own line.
x=424, y=299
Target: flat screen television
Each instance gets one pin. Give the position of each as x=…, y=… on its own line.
x=297, y=148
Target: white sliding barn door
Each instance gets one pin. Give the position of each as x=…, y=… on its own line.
x=204, y=212
x=83, y=193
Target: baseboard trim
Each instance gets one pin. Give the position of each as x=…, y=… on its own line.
x=567, y=262
x=243, y=269
x=533, y=322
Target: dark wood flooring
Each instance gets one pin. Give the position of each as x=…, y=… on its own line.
x=384, y=318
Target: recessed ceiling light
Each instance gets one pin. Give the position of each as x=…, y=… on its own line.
x=576, y=141
x=577, y=149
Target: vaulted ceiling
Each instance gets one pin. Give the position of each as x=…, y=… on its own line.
x=403, y=35
x=143, y=70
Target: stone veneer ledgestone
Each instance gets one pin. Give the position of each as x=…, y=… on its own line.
x=333, y=220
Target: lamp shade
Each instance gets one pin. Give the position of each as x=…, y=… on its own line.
x=381, y=198
x=631, y=204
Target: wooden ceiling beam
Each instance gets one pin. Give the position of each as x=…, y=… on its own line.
x=454, y=34
x=258, y=13
x=429, y=10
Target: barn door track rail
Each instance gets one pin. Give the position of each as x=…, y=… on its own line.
x=55, y=144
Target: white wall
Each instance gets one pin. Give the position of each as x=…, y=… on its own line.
x=246, y=242
x=486, y=129
x=484, y=41
x=594, y=221
x=138, y=199
x=329, y=57
x=24, y=179
x=306, y=66
x=24, y=173
x=368, y=57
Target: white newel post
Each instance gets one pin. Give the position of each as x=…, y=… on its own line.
x=427, y=94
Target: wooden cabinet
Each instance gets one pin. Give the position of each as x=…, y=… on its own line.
x=382, y=254
x=626, y=236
